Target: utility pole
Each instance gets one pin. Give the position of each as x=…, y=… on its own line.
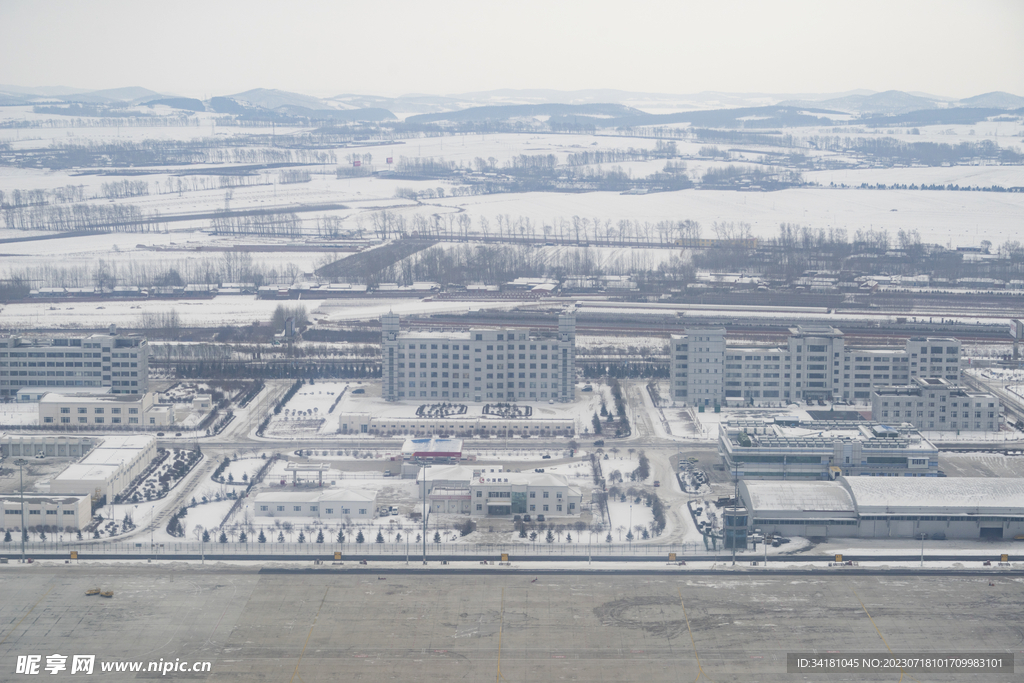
x=21, y=464
x=424, y=470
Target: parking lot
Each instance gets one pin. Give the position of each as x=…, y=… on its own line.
x=329, y=626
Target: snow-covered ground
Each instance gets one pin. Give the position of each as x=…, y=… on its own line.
x=308, y=412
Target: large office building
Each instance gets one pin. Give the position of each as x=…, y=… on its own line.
x=511, y=364
x=29, y=366
x=934, y=404
x=814, y=364
x=882, y=507
x=783, y=449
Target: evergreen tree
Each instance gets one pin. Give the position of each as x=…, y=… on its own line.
x=78, y=534
x=7, y=536
x=629, y=536
x=206, y=536
x=262, y=538
x=302, y=537
x=223, y=538
x=608, y=538
x=320, y=536
x=341, y=536
x=533, y=535
x=522, y=531
x=280, y=537
x=242, y=538
x=96, y=533
x=596, y=421
x=418, y=538
x=360, y=538
x=437, y=537
x=550, y=538
x=568, y=538
x=380, y=536
x=42, y=535
x=398, y=537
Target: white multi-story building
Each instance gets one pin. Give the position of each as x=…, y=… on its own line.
x=698, y=366
x=115, y=361
x=933, y=403
x=479, y=364
x=814, y=364
x=781, y=449
x=103, y=410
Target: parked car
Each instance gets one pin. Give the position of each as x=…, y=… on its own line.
x=657, y=483
x=545, y=457
x=599, y=442
x=540, y=518
x=387, y=473
x=526, y=518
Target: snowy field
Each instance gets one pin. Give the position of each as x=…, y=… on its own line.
x=308, y=412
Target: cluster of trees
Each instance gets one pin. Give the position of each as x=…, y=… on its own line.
x=119, y=189
x=36, y=197
x=893, y=151
x=294, y=175
x=85, y=217
x=284, y=223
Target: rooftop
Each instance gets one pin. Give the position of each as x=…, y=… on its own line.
x=972, y=494
x=806, y=496
x=316, y=495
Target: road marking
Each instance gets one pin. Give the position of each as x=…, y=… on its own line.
x=311, y=627
x=26, y=615
x=700, y=668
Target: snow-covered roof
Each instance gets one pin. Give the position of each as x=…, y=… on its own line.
x=520, y=478
x=331, y=495
x=449, y=473
x=805, y=496
x=412, y=446
x=952, y=495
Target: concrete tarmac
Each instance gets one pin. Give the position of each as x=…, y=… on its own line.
x=600, y=627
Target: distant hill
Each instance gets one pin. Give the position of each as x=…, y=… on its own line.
x=964, y=116
x=364, y=114
x=131, y=94
x=885, y=103
x=511, y=111
x=995, y=100
x=186, y=103
x=272, y=99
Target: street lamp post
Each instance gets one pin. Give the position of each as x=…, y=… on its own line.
x=424, y=470
x=21, y=477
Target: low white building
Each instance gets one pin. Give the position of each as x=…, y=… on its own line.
x=503, y=494
x=888, y=507
x=109, y=468
x=103, y=410
x=326, y=504
x=46, y=510
x=365, y=423
x=48, y=445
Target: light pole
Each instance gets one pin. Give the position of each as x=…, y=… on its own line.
x=21, y=477
x=922, y=548
x=424, y=471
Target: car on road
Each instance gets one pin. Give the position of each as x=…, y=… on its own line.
x=657, y=483
x=599, y=442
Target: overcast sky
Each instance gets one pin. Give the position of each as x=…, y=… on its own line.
x=391, y=47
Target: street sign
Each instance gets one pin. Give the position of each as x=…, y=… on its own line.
x=504, y=557
x=337, y=557
x=839, y=558
x=1004, y=558
x=671, y=557
x=74, y=554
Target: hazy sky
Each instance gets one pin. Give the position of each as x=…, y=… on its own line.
x=391, y=47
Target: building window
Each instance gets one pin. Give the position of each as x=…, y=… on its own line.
x=297, y=508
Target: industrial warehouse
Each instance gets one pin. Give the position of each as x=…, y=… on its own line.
x=884, y=507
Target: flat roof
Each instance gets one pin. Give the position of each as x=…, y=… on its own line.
x=805, y=496
x=427, y=446
x=316, y=495
x=977, y=495
x=90, y=398
x=43, y=497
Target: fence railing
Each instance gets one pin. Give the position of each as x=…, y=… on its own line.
x=327, y=549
